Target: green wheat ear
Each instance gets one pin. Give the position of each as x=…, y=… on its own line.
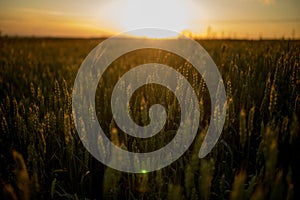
x=207, y=168
x=238, y=190
x=189, y=180
x=22, y=177
x=243, y=129
x=111, y=182
x=174, y=192
x=251, y=121
x=273, y=100
x=258, y=194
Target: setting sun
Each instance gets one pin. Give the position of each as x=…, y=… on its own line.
x=169, y=14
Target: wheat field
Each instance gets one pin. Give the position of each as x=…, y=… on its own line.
x=255, y=158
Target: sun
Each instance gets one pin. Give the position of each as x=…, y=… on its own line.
x=166, y=14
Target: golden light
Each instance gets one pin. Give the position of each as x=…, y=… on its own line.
x=166, y=14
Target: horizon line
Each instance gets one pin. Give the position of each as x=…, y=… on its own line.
x=106, y=37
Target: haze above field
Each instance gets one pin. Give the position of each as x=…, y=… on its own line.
x=206, y=18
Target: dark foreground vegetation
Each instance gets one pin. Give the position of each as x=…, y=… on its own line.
x=256, y=157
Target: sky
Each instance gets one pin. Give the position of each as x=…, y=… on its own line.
x=199, y=18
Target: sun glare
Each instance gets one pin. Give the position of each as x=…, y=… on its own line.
x=167, y=14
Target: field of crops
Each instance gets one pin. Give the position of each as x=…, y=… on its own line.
x=255, y=158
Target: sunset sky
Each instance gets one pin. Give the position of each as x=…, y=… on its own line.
x=204, y=18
